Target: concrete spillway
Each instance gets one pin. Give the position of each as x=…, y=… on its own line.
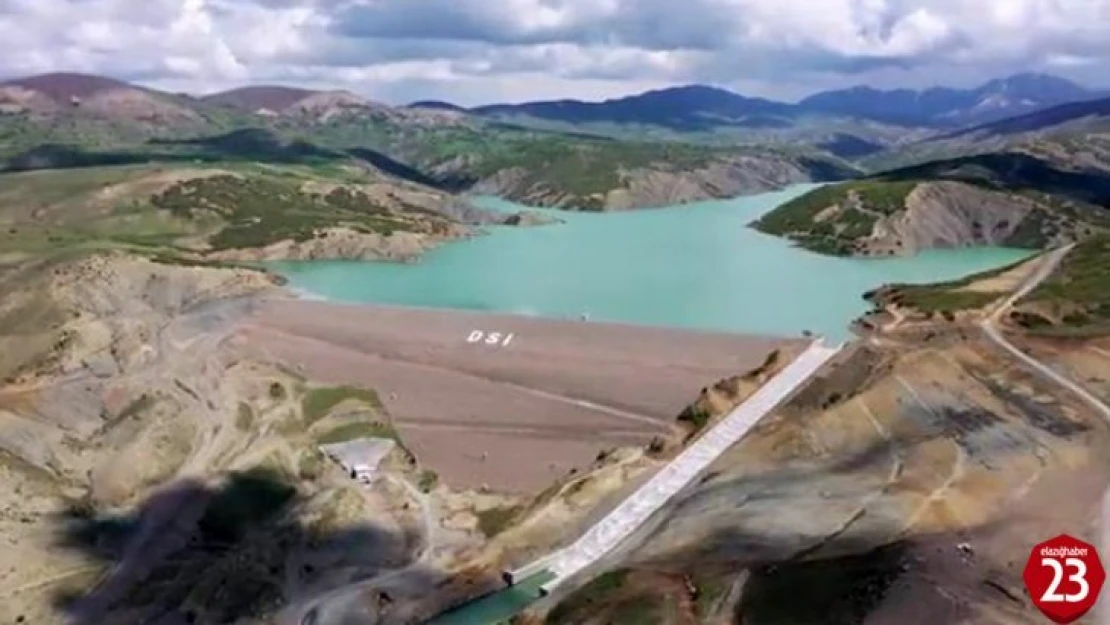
x=635, y=510
x=542, y=575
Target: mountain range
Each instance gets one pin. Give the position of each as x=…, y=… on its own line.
x=548, y=153
x=74, y=120
x=700, y=107
x=690, y=108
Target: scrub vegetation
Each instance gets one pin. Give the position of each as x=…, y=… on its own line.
x=942, y=297
x=616, y=595
x=318, y=402
x=831, y=218
x=173, y=215
x=428, y=480
x=1077, y=293
x=493, y=521
x=357, y=430
x=943, y=300
x=258, y=211
x=244, y=418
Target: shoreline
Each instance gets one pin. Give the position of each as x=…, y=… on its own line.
x=650, y=205
x=728, y=284
x=305, y=295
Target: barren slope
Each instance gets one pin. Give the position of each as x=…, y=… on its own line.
x=858, y=498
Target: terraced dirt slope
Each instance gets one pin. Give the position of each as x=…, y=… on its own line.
x=861, y=491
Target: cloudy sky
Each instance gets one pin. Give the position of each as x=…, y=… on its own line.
x=479, y=51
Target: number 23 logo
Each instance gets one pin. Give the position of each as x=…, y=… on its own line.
x=1064, y=577
x=1052, y=594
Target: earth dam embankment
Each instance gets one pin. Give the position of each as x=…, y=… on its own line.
x=506, y=401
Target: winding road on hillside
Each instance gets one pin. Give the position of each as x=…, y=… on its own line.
x=184, y=344
x=1047, y=265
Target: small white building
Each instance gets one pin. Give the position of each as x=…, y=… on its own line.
x=360, y=457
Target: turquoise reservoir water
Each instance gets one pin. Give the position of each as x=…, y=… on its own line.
x=696, y=266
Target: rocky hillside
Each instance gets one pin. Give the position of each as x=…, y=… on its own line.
x=618, y=176
x=143, y=446
x=318, y=107
x=1086, y=115
x=134, y=426
x=236, y=213
x=1070, y=136
x=79, y=121
x=1000, y=199
x=200, y=215
x=273, y=99
x=900, y=483
x=1073, y=302
x=51, y=95
x=58, y=108
x=303, y=219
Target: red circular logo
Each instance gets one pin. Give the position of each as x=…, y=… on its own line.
x=1064, y=577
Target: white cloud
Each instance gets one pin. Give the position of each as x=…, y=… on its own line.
x=480, y=51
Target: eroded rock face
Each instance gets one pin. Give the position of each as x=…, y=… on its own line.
x=122, y=430
x=518, y=185
x=662, y=186
x=951, y=214
x=891, y=218
x=659, y=184
x=17, y=99
x=139, y=105
x=463, y=211
x=122, y=402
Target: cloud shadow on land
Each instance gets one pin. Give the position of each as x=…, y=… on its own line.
x=246, y=145
x=771, y=582
x=856, y=578
x=833, y=591
x=197, y=554
x=1012, y=171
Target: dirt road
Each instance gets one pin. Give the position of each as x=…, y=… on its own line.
x=1045, y=269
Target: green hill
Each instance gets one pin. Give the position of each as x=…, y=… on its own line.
x=1006, y=199
x=449, y=150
